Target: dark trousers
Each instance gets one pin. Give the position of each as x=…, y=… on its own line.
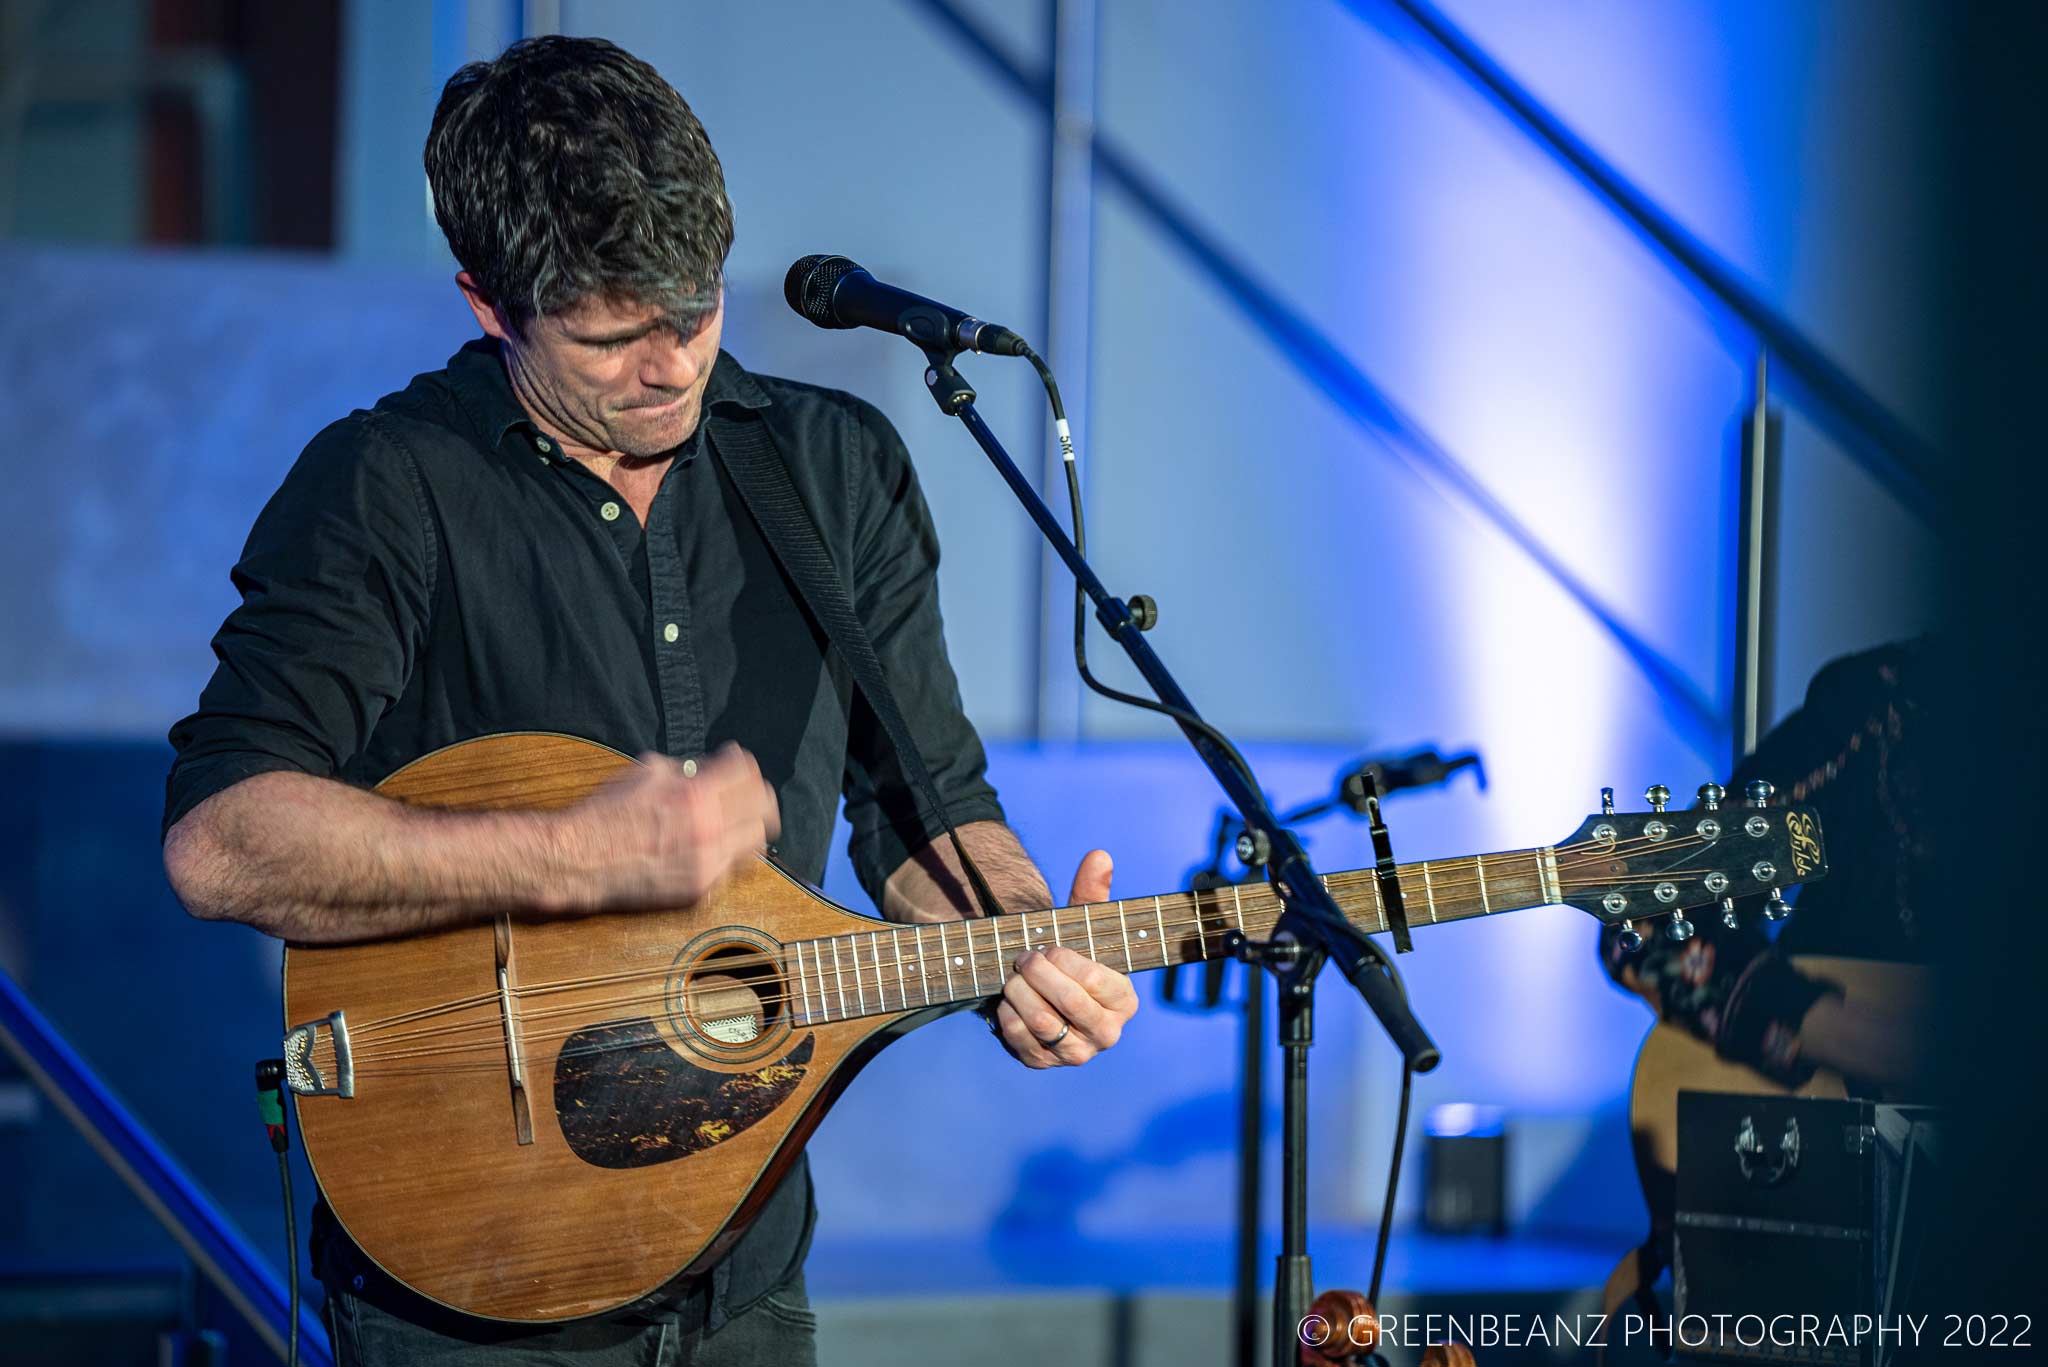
x=777, y=1330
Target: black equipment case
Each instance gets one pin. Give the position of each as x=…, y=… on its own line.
x=1792, y=1207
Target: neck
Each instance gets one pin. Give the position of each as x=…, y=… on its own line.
x=902, y=968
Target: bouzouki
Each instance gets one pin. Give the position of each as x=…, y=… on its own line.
x=538, y=1120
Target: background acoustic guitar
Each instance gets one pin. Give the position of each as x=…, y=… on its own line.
x=536, y=1120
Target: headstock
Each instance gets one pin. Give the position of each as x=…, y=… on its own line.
x=1625, y=867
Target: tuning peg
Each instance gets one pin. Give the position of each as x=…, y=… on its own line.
x=1607, y=802
x=1711, y=795
x=1728, y=916
x=1759, y=791
x=1775, y=908
x=1631, y=938
x=1680, y=929
x=1657, y=796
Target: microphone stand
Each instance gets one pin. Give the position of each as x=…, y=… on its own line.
x=1311, y=929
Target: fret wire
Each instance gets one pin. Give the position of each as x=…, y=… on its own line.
x=1159, y=915
x=1547, y=857
x=1088, y=924
x=924, y=976
x=1125, y=927
x=973, y=957
x=1428, y=892
x=875, y=953
x=1479, y=867
x=1379, y=901
x=1200, y=939
x=1055, y=927
x=802, y=985
x=1238, y=902
x=946, y=958
x=839, y=976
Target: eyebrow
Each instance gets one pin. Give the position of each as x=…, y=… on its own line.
x=624, y=336
x=686, y=323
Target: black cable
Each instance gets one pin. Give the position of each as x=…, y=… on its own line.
x=1181, y=715
x=291, y=1261
x=1379, y=1253
x=270, y=1105
x=1186, y=718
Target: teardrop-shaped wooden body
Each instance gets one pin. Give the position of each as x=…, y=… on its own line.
x=653, y=1136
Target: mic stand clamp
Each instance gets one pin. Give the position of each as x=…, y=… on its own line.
x=1311, y=928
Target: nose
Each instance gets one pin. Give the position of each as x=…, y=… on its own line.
x=669, y=362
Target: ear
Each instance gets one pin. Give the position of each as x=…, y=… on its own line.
x=488, y=317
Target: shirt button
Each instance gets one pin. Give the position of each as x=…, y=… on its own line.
x=689, y=768
x=610, y=512
x=670, y=632
x=544, y=444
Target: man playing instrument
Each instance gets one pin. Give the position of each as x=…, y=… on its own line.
x=541, y=536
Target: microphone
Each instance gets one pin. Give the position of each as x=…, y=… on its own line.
x=834, y=292
x=1423, y=769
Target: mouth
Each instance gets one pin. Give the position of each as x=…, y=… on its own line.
x=654, y=407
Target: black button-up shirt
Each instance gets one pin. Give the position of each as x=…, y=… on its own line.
x=434, y=569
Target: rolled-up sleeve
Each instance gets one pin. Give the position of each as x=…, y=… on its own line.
x=336, y=583
x=896, y=591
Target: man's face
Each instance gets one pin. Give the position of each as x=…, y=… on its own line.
x=613, y=376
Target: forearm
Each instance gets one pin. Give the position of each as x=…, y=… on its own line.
x=1868, y=1045
x=931, y=886
x=315, y=860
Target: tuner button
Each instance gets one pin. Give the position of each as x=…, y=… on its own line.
x=1775, y=908
x=1711, y=795
x=1728, y=916
x=1680, y=929
x=1607, y=802
x=1631, y=938
x=1657, y=796
x=1759, y=791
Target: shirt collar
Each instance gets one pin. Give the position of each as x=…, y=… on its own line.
x=477, y=375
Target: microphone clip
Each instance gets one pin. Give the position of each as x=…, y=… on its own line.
x=949, y=389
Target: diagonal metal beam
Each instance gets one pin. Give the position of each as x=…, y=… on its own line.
x=1370, y=407
x=1874, y=437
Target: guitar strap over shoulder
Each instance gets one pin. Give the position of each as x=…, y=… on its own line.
x=761, y=475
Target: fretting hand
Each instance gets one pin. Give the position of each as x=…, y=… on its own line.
x=1061, y=1008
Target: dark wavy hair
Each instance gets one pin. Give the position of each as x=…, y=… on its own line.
x=568, y=168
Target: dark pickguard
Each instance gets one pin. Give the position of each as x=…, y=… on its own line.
x=624, y=1099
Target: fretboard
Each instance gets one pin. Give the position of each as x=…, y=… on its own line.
x=894, y=968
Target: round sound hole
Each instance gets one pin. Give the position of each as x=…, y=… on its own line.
x=726, y=995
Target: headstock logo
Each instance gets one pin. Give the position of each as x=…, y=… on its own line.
x=1805, y=844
